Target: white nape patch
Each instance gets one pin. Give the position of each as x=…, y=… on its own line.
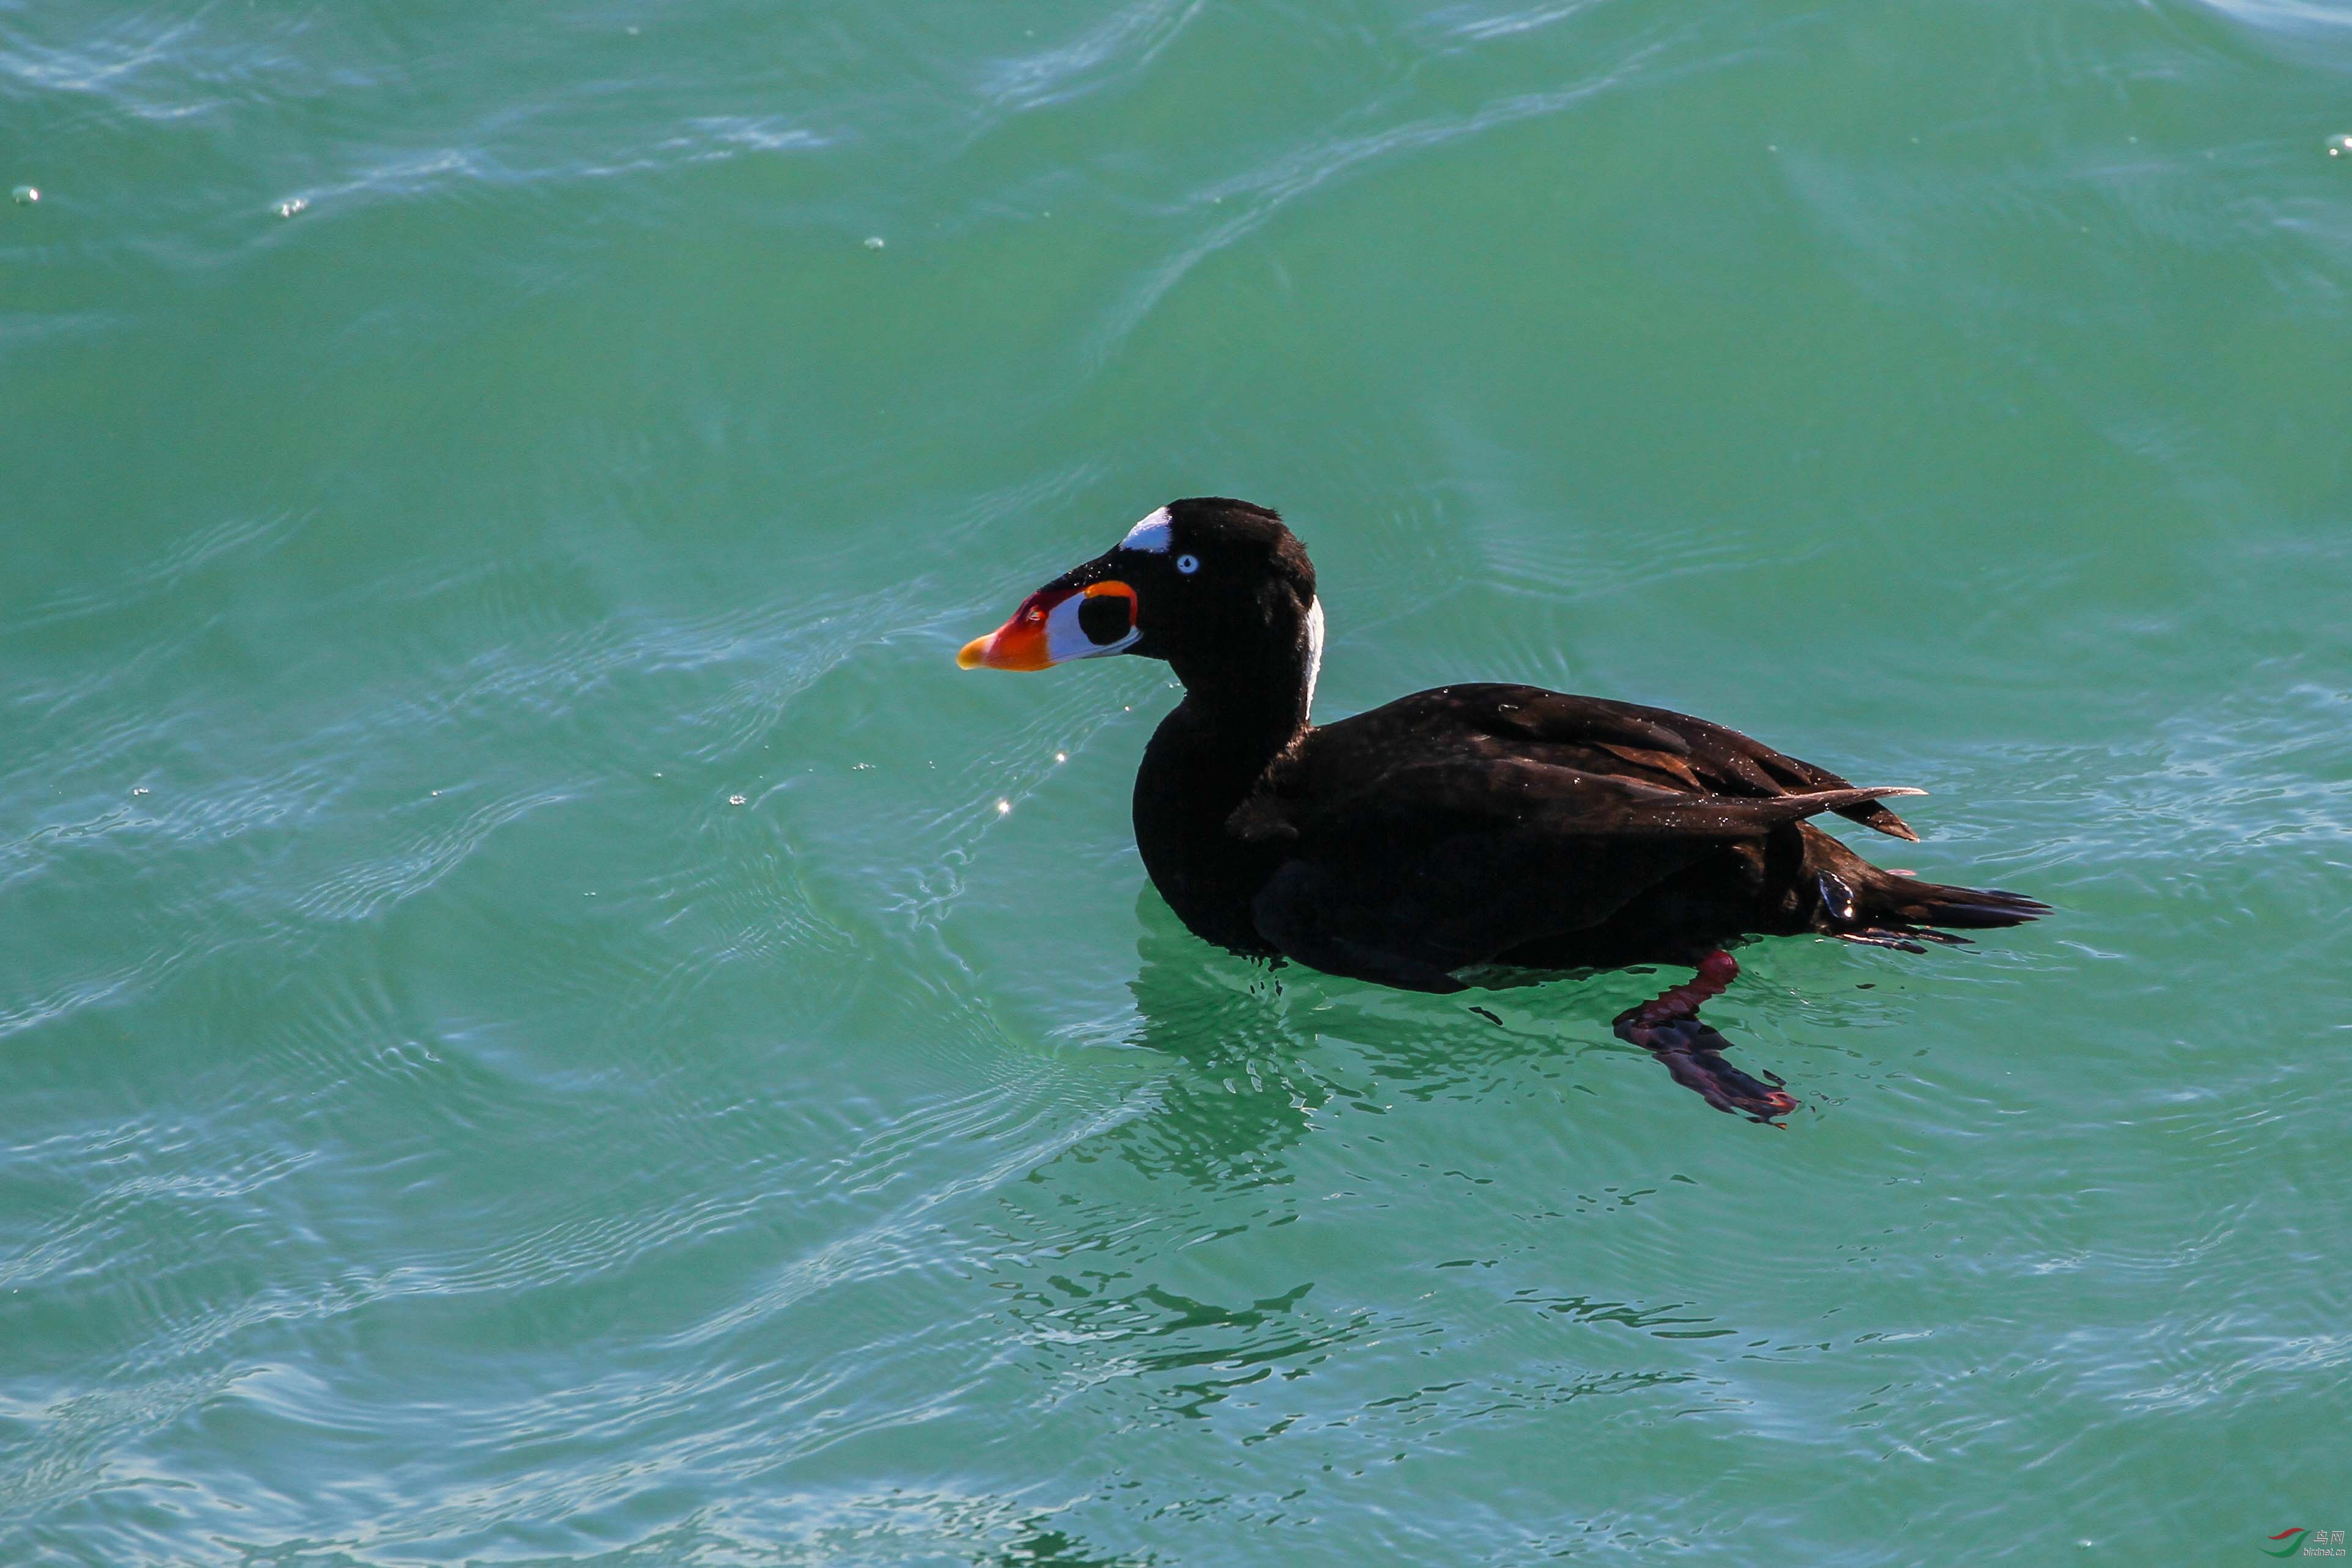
x=1314, y=650
x=1155, y=534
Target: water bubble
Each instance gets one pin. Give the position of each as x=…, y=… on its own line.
x=1003, y=807
x=2339, y=146
x=141, y=789
x=291, y=205
x=873, y=242
x=1061, y=756
x=25, y=196
x=734, y=800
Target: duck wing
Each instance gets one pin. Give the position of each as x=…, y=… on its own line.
x=1457, y=824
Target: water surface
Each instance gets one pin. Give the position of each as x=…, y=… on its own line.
x=544, y=1020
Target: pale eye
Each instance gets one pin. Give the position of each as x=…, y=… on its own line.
x=1188, y=564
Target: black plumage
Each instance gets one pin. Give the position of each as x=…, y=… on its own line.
x=1459, y=835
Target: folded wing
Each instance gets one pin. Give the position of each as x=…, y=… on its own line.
x=1457, y=824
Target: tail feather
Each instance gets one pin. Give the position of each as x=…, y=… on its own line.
x=1961, y=909
x=1860, y=902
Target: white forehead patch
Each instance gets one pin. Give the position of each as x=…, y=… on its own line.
x=1154, y=533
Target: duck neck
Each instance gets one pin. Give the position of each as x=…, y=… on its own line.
x=1204, y=760
x=1250, y=707
x=1246, y=730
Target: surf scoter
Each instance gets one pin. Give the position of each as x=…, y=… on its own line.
x=1460, y=834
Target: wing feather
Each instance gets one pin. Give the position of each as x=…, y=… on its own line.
x=1463, y=822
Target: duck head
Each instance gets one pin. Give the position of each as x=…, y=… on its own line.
x=1218, y=588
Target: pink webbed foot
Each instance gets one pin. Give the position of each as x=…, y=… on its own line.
x=1670, y=1029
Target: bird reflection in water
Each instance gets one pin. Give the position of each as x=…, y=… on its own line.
x=1254, y=1079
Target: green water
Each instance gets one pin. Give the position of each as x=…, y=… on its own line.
x=544, y=1021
